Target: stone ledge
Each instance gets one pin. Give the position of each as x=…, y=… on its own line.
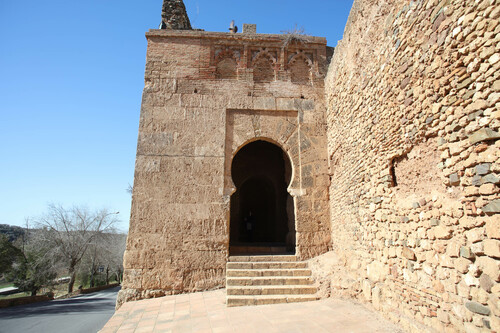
x=228, y=36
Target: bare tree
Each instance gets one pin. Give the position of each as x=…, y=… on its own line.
x=90, y=261
x=113, y=261
x=70, y=233
x=104, y=258
x=129, y=189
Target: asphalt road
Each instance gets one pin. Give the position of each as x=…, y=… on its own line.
x=81, y=314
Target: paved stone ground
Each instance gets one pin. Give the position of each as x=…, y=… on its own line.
x=207, y=312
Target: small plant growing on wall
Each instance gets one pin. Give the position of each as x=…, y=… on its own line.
x=295, y=35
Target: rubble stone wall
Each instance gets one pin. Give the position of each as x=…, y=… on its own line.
x=413, y=98
x=174, y=15
x=202, y=102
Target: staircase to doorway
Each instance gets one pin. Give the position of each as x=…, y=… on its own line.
x=268, y=279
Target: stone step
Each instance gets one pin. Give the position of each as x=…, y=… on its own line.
x=268, y=272
x=271, y=290
x=262, y=258
x=268, y=281
x=268, y=299
x=266, y=265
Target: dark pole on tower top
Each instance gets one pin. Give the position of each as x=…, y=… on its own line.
x=174, y=16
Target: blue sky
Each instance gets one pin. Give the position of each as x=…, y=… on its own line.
x=71, y=79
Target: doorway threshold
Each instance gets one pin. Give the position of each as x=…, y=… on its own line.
x=259, y=249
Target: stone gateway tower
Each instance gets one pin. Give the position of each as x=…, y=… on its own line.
x=386, y=172
x=231, y=155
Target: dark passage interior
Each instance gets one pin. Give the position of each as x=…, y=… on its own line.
x=262, y=217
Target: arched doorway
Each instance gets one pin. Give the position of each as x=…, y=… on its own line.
x=262, y=215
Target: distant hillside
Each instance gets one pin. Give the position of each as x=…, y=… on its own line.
x=11, y=231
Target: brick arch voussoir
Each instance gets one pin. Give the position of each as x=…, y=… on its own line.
x=300, y=55
x=226, y=54
x=266, y=54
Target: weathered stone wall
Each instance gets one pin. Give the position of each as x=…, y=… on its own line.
x=413, y=97
x=206, y=95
